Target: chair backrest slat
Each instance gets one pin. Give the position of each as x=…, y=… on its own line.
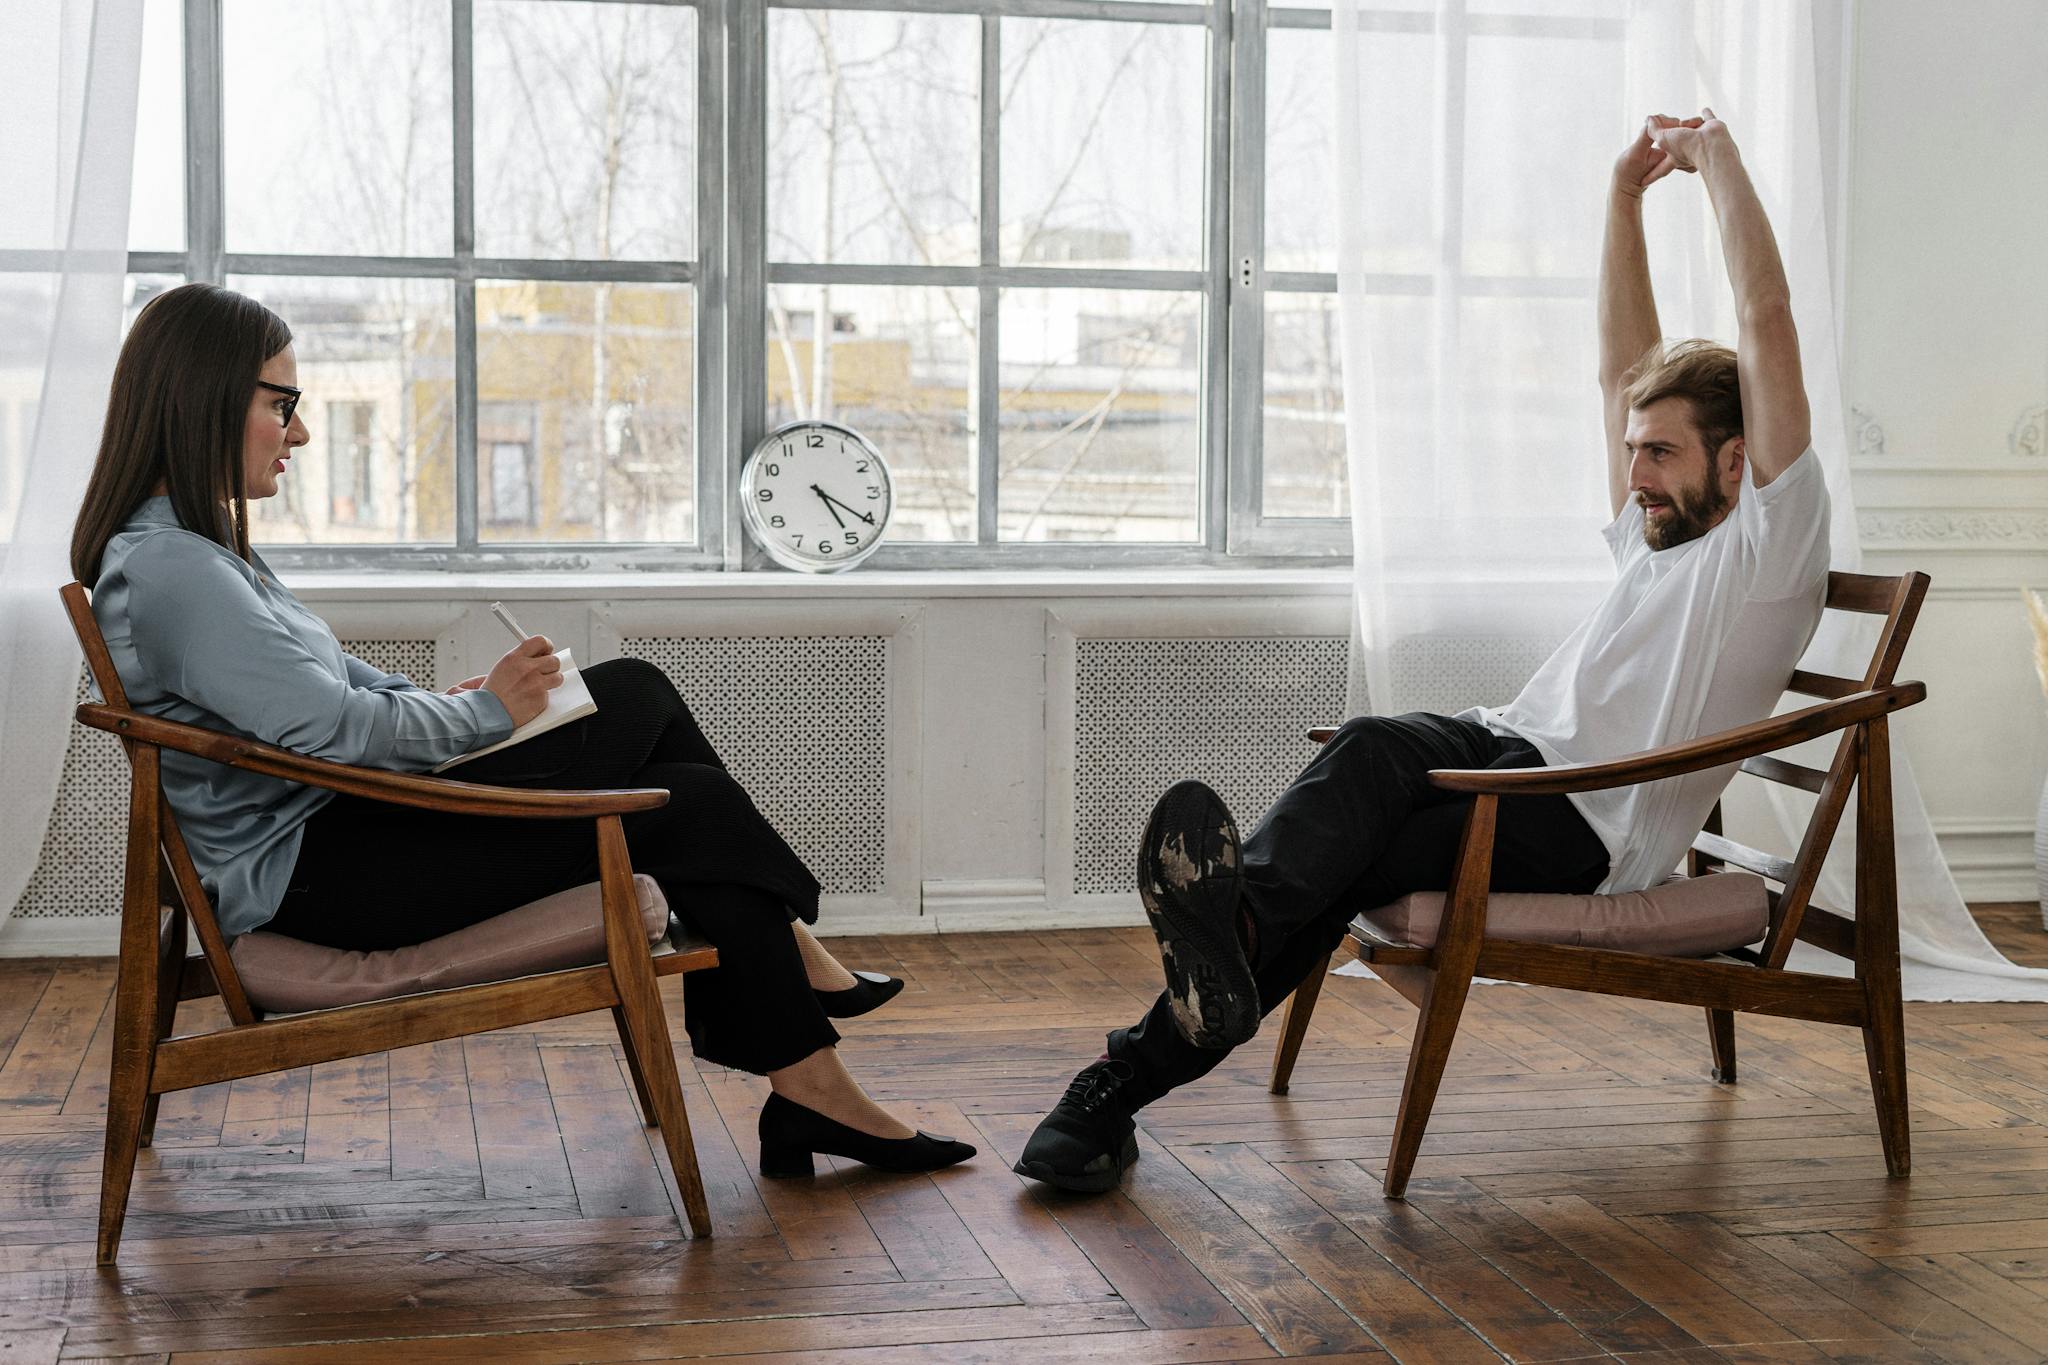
x=1870, y=594
x=1788, y=774
x=184, y=879
x=1826, y=686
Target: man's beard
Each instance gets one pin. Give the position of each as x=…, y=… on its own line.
x=1688, y=516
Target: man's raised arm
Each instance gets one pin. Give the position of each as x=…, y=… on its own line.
x=1777, y=423
x=1628, y=310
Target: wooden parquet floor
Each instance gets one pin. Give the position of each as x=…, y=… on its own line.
x=1585, y=1192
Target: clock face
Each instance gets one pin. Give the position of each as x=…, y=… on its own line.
x=816, y=496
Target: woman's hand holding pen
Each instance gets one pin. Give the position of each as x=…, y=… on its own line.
x=522, y=678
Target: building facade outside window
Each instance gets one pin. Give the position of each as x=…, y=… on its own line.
x=1071, y=267
x=350, y=500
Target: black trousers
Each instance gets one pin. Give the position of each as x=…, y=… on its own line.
x=1360, y=827
x=371, y=876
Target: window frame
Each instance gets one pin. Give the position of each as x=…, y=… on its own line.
x=206, y=258
x=731, y=276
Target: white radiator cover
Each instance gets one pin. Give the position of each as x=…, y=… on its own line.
x=803, y=724
x=1150, y=712
x=1132, y=713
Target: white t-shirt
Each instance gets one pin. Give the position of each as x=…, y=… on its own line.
x=1690, y=641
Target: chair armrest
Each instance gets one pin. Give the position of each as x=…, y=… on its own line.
x=1709, y=751
x=401, y=789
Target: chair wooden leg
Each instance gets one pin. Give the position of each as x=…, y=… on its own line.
x=1294, y=1023
x=1721, y=1033
x=1455, y=957
x=633, y=1067
x=1434, y=1032
x=170, y=977
x=1877, y=948
x=1884, y=1049
x=645, y=1023
x=127, y=1097
x=138, y=986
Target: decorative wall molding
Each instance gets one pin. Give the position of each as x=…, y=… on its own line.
x=1867, y=432
x=1958, y=528
x=2029, y=439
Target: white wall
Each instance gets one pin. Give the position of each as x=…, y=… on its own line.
x=1945, y=359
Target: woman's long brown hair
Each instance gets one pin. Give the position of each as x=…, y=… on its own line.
x=175, y=416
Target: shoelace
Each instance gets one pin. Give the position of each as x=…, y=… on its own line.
x=1088, y=1091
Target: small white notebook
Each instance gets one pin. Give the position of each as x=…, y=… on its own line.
x=570, y=701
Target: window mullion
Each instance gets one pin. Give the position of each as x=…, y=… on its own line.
x=1216, y=382
x=462, y=35
x=1246, y=286
x=710, y=306
x=747, y=254
x=205, y=171
x=988, y=389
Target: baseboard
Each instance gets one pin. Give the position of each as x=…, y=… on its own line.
x=1990, y=860
x=842, y=917
x=968, y=907
x=60, y=936
x=994, y=906
x=1982, y=887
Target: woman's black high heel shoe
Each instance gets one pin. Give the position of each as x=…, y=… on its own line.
x=869, y=991
x=791, y=1133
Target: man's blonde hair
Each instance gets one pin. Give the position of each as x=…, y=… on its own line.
x=1701, y=372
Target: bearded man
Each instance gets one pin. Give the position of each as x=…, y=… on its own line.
x=1720, y=542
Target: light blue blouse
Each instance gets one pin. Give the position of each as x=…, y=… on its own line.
x=201, y=637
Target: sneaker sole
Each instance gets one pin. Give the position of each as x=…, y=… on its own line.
x=1215, y=1001
x=1081, y=1183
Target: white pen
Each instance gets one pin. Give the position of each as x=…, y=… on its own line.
x=518, y=632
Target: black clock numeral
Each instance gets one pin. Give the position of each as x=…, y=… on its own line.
x=773, y=471
x=853, y=537
x=766, y=495
x=874, y=492
x=814, y=441
x=860, y=467
x=786, y=451
x=824, y=547
x=776, y=521
x=799, y=541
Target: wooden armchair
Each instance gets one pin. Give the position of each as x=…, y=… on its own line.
x=163, y=900
x=1436, y=978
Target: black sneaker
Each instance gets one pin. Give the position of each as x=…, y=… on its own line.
x=1190, y=876
x=1088, y=1140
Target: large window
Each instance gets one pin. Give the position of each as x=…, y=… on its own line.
x=1070, y=264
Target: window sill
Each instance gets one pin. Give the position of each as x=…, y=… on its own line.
x=891, y=584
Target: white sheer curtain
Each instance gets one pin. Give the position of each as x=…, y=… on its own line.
x=1475, y=443
x=68, y=76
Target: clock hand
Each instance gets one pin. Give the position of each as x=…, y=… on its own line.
x=829, y=500
x=868, y=517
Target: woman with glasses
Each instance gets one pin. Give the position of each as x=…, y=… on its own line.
x=202, y=419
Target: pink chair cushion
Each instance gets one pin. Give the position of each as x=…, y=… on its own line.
x=287, y=975
x=1683, y=917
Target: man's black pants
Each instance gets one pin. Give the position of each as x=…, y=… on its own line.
x=1361, y=827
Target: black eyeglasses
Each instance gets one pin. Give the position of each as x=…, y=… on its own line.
x=291, y=397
